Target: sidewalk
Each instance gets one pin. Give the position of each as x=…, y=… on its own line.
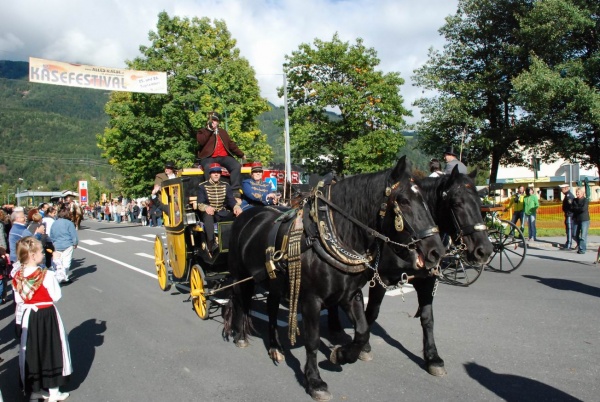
x=593, y=242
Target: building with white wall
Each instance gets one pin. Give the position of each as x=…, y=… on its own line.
x=548, y=178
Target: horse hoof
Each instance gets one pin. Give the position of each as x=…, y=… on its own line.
x=438, y=371
x=321, y=396
x=276, y=355
x=365, y=356
x=242, y=344
x=333, y=356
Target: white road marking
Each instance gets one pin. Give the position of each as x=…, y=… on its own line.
x=104, y=232
x=141, y=271
x=150, y=235
x=111, y=240
x=96, y=289
x=145, y=255
x=134, y=238
x=90, y=242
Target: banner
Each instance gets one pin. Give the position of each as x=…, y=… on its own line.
x=83, y=192
x=104, y=78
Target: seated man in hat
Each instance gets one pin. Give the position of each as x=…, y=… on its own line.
x=216, y=146
x=452, y=160
x=169, y=173
x=255, y=191
x=216, y=203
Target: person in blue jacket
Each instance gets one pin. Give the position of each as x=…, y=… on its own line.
x=255, y=191
x=65, y=239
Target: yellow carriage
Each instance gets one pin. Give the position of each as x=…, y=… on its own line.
x=184, y=257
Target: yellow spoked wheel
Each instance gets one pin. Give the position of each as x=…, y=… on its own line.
x=161, y=268
x=200, y=301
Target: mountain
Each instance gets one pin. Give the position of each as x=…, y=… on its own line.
x=49, y=134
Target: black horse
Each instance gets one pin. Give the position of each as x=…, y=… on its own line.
x=383, y=222
x=455, y=207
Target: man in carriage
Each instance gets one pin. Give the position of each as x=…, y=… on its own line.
x=216, y=203
x=255, y=191
x=215, y=146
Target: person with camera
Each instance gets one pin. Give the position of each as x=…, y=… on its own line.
x=217, y=147
x=516, y=203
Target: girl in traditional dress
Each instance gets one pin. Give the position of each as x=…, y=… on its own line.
x=44, y=357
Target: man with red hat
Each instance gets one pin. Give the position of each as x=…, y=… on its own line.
x=255, y=191
x=216, y=146
x=216, y=202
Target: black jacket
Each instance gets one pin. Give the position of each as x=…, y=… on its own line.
x=581, y=212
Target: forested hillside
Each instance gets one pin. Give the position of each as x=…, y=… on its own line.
x=49, y=135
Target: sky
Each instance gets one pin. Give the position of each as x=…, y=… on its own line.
x=108, y=32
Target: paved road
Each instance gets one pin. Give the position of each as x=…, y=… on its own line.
x=529, y=335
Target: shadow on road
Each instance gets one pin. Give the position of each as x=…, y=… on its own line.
x=83, y=341
x=566, y=284
x=510, y=387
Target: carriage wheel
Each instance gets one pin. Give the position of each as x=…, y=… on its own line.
x=509, y=249
x=455, y=270
x=200, y=302
x=159, y=261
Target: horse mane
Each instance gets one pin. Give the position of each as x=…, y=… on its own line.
x=360, y=196
x=432, y=189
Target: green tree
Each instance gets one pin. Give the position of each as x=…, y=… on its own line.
x=147, y=130
x=561, y=89
x=473, y=102
x=336, y=76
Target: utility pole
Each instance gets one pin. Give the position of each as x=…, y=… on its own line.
x=288, y=160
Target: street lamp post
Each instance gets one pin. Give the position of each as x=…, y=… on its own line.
x=199, y=81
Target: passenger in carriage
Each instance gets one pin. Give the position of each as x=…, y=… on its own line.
x=169, y=173
x=255, y=191
x=216, y=147
x=216, y=203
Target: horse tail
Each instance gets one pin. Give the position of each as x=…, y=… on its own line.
x=246, y=328
x=227, y=314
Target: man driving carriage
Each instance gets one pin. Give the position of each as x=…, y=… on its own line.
x=256, y=191
x=217, y=147
x=216, y=203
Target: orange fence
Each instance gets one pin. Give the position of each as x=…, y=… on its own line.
x=550, y=215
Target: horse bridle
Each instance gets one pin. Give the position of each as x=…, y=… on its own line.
x=465, y=230
x=400, y=221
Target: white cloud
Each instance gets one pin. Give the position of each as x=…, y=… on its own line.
x=108, y=32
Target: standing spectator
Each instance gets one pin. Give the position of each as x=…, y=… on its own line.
x=44, y=357
x=435, y=167
x=106, y=212
x=64, y=237
x=516, y=203
x=37, y=221
x=118, y=212
x=216, y=146
x=452, y=160
x=144, y=213
x=567, y=207
x=530, y=206
x=43, y=208
x=4, y=264
x=135, y=212
x=48, y=220
x=581, y=219
x=19, y=230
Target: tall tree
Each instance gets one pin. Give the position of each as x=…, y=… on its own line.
x=561, y=89
x=365, y=133
x=473, y=99
x=146, y=130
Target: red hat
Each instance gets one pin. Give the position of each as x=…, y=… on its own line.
x=214, y=167
x=256, y=167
